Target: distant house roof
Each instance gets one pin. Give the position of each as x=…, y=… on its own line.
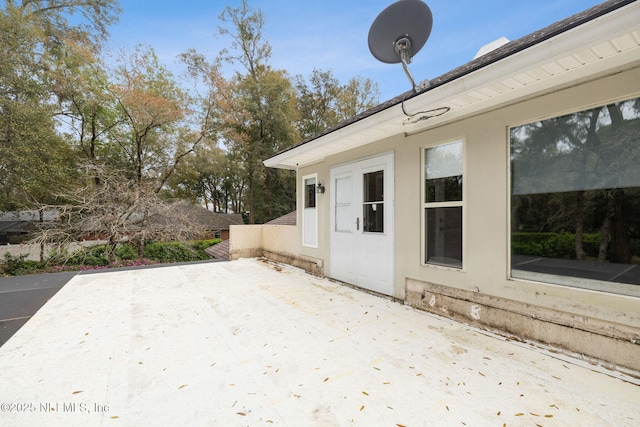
x=219, y=250
x=288, y=219
x=216, y=221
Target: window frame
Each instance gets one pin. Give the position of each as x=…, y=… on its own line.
x=313, y=242
x=548, y=279
x=424, y=205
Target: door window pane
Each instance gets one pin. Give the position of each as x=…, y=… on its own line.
x=373, y=207
x=373, y=218
x=444, y=236
x=344, y=214
x=373, y=186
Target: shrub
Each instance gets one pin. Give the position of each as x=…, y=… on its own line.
x=201, y=245
x=93, y=256
x=19, y=265
x=168, y=252
x=178, y=251
x=124, y=251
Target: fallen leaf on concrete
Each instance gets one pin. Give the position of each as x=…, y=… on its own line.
x=182, y=386
x=76, y=392
x=362, y=407
x=241, y=414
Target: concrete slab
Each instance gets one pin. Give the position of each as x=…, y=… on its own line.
x=247, y=343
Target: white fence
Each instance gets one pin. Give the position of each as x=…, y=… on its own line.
x=33, y=251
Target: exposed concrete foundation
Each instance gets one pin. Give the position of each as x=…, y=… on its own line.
x=278, y=243
x=310, y=265
x=610, y=345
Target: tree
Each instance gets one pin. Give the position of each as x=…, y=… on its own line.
x=118, y=210
x=87, y=109
x=323, y=102
x=33, y=36
x=260, y=119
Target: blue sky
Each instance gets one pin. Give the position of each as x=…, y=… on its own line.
x=332, y=34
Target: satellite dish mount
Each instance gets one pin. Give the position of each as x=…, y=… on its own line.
x=399, y=32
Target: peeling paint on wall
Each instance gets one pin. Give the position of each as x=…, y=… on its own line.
x=475, y=312
x=432, y=301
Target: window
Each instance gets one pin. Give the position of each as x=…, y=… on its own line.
x=575, y=198
x=373, y=203
x=443, y=204
x=310, y=193
x=309, y=214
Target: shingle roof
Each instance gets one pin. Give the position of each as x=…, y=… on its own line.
x=219, y=250
x=288, y=219
x=212, y=220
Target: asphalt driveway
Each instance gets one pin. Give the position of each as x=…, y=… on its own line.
x=22, y=296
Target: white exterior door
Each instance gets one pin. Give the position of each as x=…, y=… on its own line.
x=361, y=237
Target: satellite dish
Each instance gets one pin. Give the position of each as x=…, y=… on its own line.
x=399, y=32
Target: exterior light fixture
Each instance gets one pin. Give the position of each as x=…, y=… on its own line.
x=320, y=188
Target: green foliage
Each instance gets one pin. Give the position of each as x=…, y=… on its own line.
x=20, y=265
x=553, y=245
x=33, y=37
x=168, y=252
x=96, y=257
x=125, y=251
x=178, y=251
x=201, y=245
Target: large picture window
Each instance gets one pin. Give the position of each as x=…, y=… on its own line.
x=575, y=199
x=443, y=205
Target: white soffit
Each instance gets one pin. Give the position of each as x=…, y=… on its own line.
x=596, y=48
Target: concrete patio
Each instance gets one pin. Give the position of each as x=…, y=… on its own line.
x=248, y=343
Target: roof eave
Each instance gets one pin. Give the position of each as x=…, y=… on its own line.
x=590, y=44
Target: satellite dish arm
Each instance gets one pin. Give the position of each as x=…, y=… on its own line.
x=402, y=46
x=409, y=75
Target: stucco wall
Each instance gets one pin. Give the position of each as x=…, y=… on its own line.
x=485, y=279
x=279, y=243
